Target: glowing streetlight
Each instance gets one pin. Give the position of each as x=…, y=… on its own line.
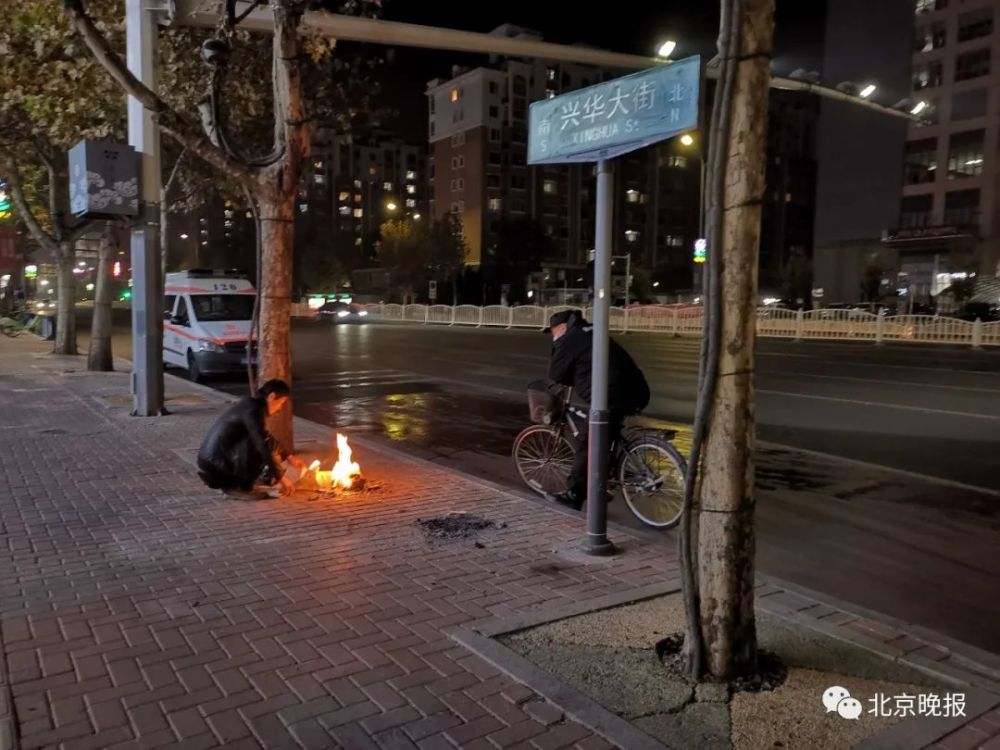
x=184, y=236
x=666, y=49
x=416, y=217
x=391, y=206
x=867, y=91
x=687, y=139
x=918, y=108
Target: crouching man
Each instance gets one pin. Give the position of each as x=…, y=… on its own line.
x=238, y=452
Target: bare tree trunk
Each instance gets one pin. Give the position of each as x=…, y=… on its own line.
x=274, y=338
x=726, y=514
x=99, y=355
x=66, y=302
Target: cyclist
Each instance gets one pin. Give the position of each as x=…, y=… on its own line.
x=570, y=365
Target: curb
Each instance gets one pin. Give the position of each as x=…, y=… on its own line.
x=581, y=708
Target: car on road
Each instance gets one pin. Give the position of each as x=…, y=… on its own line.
x=341, y=312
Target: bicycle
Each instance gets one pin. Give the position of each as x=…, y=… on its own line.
x=645, y=466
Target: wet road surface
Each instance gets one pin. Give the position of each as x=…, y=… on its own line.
x=921, y=551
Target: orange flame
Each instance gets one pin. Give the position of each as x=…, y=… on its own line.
x=344, y=470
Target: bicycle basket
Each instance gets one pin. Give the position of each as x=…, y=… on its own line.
x=545, y=408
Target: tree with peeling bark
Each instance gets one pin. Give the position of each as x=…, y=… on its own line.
x=717, y=538
x=272, y=181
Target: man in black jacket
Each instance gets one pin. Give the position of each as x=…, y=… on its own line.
x=570, y=365
x=238, y=449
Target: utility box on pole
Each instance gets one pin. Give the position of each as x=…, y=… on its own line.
x=103, y=180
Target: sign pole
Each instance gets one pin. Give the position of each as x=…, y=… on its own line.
x=147, y=286
x=598, y=439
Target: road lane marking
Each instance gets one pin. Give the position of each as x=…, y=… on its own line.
x=782, y=373
x=883, y=467
x=927, y=410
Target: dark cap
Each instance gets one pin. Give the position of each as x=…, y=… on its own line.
x=563, y=316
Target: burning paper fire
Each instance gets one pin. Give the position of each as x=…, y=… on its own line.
x=344, y=474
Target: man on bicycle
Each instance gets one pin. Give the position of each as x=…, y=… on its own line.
x=570, y=365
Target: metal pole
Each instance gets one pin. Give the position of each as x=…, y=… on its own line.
x=628, y=276
x=147, y=284
x=598, y=443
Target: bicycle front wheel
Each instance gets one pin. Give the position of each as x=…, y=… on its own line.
x=543, y=457
x=652, y=476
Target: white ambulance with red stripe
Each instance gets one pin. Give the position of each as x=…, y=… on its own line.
x=207, y=319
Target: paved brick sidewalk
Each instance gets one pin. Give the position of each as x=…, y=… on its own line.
x=141, y=610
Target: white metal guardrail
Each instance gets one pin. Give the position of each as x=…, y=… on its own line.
x=678, y=320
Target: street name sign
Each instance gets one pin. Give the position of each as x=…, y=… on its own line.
x=612, y=118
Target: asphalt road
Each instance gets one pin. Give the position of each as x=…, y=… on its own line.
x=917, y=549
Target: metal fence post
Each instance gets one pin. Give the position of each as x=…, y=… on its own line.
x=453, y=309
x=675, y=315
x=510, y=320
x=427, y=314
x=625, y=325
x=977, y=334
x=880, y=328
x=480, y=323
x=799, y=315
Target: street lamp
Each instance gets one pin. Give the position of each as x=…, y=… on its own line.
x=867, y=91
x=687, y=139
x=391, y=206
x=666, y=49
x=918, y=108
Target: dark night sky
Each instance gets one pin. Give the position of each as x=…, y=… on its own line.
x=692, y=23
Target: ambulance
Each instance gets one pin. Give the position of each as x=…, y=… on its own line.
x=207, y=318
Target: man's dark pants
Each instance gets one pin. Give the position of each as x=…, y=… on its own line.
x=578, y=476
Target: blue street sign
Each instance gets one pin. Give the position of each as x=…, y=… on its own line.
x=615, y=117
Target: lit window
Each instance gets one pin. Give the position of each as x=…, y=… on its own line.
x=357, y=240
x=303, y=207
x=411, y=189
x=454, y=95
x=551, y=73
x=678, y=162
x=631, y=235
x=319, y=179
x=229, y=213
x=387, y=187
x=927, y=75
x=549, y=186
x=411, y=203
x=550, y=93
x=345, y=210
x=965, y=154
x=632, y=196
x=318, y=164
x=927, y=6
x=357, y=183
x=496, y=204
x=930, y=37
x=343, y=195
x=411, y=175
x=673, y=240
x=357, y=197
x=358, y=213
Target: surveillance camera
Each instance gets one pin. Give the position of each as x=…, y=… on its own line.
x=215, y=52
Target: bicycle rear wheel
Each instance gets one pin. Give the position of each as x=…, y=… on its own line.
x=543, y=457
x=652, y=476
